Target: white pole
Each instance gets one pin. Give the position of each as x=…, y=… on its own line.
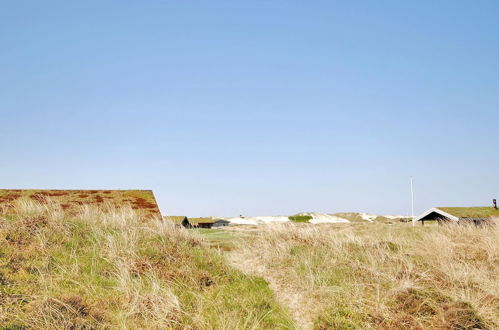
x=412, y=202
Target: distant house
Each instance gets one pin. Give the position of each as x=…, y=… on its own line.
x=476, y=215
x=195, y=222
x=221, y=223
x=179, y=220
x=202, y=222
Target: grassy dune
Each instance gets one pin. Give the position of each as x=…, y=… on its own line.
x=113, y=270
x=362, y=276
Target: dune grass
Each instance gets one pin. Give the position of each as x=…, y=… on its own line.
x=379, y=276
x=111, y=269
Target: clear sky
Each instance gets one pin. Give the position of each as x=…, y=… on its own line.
x=254, y=107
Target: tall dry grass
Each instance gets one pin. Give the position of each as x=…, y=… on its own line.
x=108, y=268
x=378, y=276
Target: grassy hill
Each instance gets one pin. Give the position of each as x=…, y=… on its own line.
x=379, y=276
x=357, y=217
x=350, y=216
x=112, y=270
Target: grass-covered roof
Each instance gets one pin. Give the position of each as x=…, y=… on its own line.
x=195, y=221
x=471, y=212
x=177, y=219
x=142, y=201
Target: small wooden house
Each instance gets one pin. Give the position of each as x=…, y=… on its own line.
x=179, y=220
x=193, y=222
x=221, y=223
x=202, y=222
x=476, y=215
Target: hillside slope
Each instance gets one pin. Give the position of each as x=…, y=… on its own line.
x=111, y=270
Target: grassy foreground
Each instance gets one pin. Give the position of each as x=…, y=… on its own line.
x=377, y=276
x=111, y=270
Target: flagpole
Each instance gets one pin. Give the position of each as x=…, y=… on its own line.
x=412, y=201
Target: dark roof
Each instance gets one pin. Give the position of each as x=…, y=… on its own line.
x=142, y=201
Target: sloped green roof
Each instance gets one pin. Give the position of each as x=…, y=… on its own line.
x=471, y=212
x=142, y=201
x=195, y=221
x=176, y=218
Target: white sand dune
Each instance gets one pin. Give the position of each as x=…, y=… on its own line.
x=368, y=217
x=257, y=220
x=260, y=220
x=240, y=221
x=326, y=218
x=316, y=218
x=396, y=216
x=269, y=219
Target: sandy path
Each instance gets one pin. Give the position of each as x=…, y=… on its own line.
x=292, y=298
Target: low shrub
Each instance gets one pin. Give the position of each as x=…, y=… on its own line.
x=300, y=218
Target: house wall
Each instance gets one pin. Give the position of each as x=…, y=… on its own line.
x=204, y=225
x=186, y=223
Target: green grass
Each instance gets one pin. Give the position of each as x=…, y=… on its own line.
x=300, y=218
x=214, y=235
x=217, y=238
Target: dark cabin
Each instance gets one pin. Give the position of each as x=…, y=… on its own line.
x=180, y=220
x=221, y=223
x=475, y=215
x=202, y=222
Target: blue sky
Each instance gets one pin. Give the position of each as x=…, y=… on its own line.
x=254, y=107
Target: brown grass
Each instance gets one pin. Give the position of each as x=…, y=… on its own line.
x=379, y=276
x=142, y=201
